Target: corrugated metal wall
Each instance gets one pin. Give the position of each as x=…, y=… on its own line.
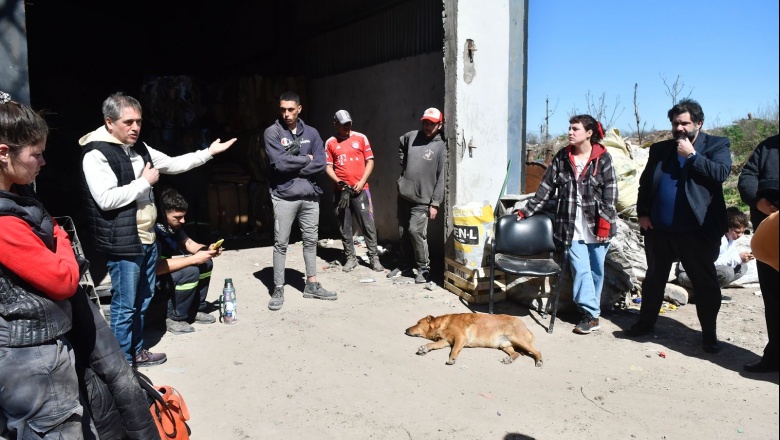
x=341, y=35
x=14, y=77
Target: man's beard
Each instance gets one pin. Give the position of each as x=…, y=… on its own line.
x=691, y=135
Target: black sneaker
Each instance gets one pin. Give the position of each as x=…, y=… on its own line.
x=423, y=276
x=725, y=299
x=277, y=298
x=315, y=290
x=587, y=325
x=709, y=342
x=762, y=366
x=144, y=358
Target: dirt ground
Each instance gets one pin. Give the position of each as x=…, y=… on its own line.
x=345, y=369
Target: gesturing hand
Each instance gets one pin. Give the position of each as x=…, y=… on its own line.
x=204, y=256
x=152, y=175
x=217, y=147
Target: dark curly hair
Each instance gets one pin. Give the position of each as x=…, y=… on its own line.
x=687, y=106
x=172, y=201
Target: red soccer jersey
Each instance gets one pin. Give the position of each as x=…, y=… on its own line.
x=349, y=157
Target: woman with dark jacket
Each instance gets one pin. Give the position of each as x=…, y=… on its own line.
x=39, y=392
x=40, y=301
x=583, y=175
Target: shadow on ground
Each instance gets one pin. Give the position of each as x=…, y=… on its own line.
x=292, y=278
x=687, y=341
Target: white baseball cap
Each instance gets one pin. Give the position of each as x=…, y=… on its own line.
x=433, y=115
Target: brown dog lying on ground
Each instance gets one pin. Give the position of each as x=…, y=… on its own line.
x=476, y=330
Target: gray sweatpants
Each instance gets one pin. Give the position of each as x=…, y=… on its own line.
x=413, y=230
x=726, y=275
x=307, y=211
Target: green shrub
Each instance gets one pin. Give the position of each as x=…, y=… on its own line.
x=744, y=135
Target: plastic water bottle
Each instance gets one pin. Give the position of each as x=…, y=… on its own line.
x=228, y=301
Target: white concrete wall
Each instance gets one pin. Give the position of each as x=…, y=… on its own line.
x=482, y=103
x=385, y=102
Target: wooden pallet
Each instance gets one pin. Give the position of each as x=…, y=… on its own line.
x=473, y=284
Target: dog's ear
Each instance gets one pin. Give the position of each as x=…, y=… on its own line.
x=429, y=318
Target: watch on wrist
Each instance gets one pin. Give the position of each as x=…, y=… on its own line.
x=690, y=155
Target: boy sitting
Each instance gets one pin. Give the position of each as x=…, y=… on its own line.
x=731, y=264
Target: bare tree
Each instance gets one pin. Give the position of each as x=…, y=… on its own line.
x=675, y=89
x=599, y=109
x=640, y=128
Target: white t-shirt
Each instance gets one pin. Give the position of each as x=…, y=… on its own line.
x=581, y=229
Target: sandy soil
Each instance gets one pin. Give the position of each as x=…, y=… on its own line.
x=345, y=370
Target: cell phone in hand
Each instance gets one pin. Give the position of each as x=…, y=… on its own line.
x=218, y=244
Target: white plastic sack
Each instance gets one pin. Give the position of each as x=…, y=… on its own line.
x=627, y=170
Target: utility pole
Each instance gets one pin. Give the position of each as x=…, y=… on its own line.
x=547, y=120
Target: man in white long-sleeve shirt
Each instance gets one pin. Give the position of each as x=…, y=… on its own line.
x=731, y=264
x=118, y=175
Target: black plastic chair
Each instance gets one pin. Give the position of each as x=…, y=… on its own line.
x=514, y=242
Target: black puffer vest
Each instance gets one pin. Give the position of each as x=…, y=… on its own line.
x=28, y=316
x=116, y=231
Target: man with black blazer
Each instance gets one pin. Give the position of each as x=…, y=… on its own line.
x=682, y=215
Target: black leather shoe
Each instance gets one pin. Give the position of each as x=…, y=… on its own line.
x=761, y=366
x=638, y=329
x=709, y=341
x=711, y=346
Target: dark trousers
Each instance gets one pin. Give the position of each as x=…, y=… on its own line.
x=362, y=207
x=769, y=279
x=413, y=230
x=697, y=252
x=184, y=287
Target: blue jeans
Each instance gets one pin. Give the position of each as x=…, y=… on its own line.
x=39, y=392
x=587, y=269
x=132, y=286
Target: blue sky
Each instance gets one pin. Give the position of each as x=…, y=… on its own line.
x=726, y=51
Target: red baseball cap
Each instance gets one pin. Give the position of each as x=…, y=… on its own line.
x=433, y=115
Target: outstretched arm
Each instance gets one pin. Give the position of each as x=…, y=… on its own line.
x=217, y=147
x=546, y=190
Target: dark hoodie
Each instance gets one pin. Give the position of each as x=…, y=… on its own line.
x=293, y=176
